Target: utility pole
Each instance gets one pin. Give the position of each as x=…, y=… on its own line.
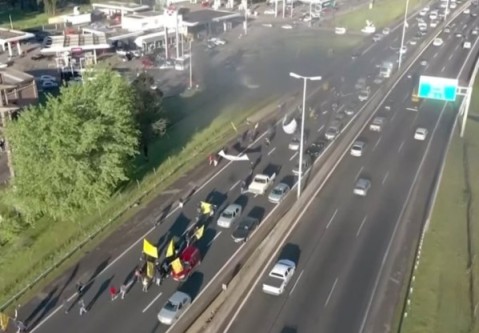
x=191, y=64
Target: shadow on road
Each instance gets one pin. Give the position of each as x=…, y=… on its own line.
x=192, y=286
x=103, y=287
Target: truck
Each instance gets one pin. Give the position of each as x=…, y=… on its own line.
x=386, y=69
x=279, y=277
x=261, y=182
x=377, y=124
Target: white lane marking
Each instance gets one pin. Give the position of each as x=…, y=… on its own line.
x=361, y=226
x=331, y=292
x=271, y=151
x=455, y=49
x=393, y=116
x=450, y=57
x=385, y=178
x=435, y=55
x=377, y=143
x=294, y=286
x=321, y=128
x=400, y=147
x=332, y=218
x=214, y=238
x=405, y=98
x=292, y=157
x=395, y=40
x=152, y=302
x=443, y=68
x=359, y=172
x=403, y=209
x=233, y=186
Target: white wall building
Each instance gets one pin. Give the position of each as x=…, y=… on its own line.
x=116, y=7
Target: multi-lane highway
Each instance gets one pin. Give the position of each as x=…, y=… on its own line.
x=138, y=311
x=343, y=238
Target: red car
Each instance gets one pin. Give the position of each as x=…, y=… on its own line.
x=189, y=259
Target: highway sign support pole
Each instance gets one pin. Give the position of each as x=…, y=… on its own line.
x=301, y=143
x=465, y=114
x=403, y=35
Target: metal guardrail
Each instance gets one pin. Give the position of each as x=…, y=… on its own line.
x=321, y=168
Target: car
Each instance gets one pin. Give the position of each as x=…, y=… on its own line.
x=295, y=143
x=245, y=227
x=403, y=50
x=278, y=193
x=47, y=78
x=422, y=33
x=386, y=31
x=467, y=45
x=360, y=83
x=358, y=148
x=339, y=30
x=174, y=307
x=287, y=26
x=474, y=14
x=305, y=167
x=433, y=24
x=349, y=110
x=413, y=41
x=216, y=41
x=459, y=35
x=437, y=42
x=332, y=132
x=279, y=277
x=423, y=63
x=420, y=134
x=377, y=37
x=316, y=149
x=433, y=15
x=475, y=32
x=447, y=30
x=229, y=216
x=364, y=94
x=453, y=5
x=362, y=187
x=467, y=11
x=188, y=259
x=423, y=12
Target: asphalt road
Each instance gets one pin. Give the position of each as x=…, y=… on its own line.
x=342, y=239
x=137, y=313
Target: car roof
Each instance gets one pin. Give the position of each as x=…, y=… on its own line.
x=362, y=182
x=282, y=266
x=178, y=297
x=248, y=220
x=232, y=207
x=421, y=129
x=358, y=144
x=189, y=252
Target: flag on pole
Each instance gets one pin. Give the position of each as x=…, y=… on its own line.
x=4, y=320
x=150, y=269
x=170, y=251
x=150, y=249
x=206, y=208
x=199, y=232
x=176, y=266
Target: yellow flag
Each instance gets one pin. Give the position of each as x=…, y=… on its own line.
x=177, y=266
x=199, y=232
x=4, y=319
x=170, y=251
x=205, y=207
x=150, y=269
x=149, y=249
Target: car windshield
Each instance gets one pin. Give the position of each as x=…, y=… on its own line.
x=170, y=306
x=357, y=147
x=260, y=180
x=227, y=215
x=278, y=191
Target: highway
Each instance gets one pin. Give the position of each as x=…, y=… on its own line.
x=342, y=239
x=138, y=311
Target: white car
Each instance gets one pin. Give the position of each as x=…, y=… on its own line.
x=216, y=41
x=423, y=12
x=386, y=31
x=420, y=134
x=413, y=41
x=403, y=50
x=362, y=187
x=475, y=32
x=339, y=30
x=438, y=42
x=287, y=26
x=467, y=45
x=453, y=5
x=364, y=94
x=433, y=24
x=433, y=15
x=174, y=307
x=358, y=148
x=467, y=11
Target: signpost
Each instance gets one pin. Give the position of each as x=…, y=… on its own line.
x=438, y=88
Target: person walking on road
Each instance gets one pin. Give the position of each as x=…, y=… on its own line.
x=113, y=293
x=21, y=328
x=145, y=284
x=80, y=289
x=123, y=289
x=180, y=203
x=82, y=307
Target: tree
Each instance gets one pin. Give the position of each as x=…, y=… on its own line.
x=71, y=153
x=50, y=6
x=148, y=110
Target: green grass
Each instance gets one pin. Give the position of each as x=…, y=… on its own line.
x=441, y=298
x=382, y=14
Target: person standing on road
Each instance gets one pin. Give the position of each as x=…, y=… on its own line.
x=123, y=289
x=180, y=203
x=21, y=328
x=145, y=284
x=80, y=289
x=113, y=293
x=82, y=307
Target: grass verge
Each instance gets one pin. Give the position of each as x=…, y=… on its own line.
x=382, y=14
x=444, y=298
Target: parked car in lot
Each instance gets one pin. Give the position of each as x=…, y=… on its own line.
x=278, y=193
x=244, y=229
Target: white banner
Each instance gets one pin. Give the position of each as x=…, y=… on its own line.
x=289, y=128
x=241, y=157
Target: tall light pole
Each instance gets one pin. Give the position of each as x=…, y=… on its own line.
x=404, y=26
x=446, y=11
x=310, y=13
x=301, y=143
x=245, y=3
x=191, y=64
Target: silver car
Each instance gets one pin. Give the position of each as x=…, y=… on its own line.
x=278, y=193
x=362, y=187
x=174, y=307
x=296, y=143
x=331, y=133
x=229, y=215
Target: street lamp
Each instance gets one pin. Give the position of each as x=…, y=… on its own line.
x=191, y=63
x=404, y=26
x=305, y=80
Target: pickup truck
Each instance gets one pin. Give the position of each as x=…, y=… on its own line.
x=377, y=124
x=279, y=277
x=261, y=183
